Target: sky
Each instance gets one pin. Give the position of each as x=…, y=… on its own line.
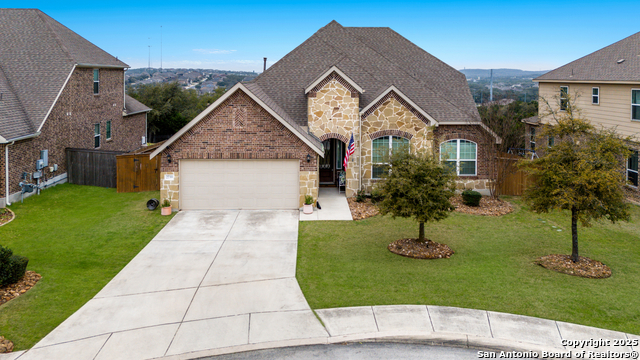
x=232, y=35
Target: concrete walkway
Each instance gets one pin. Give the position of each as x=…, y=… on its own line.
x=218, y=282
x=334, y=206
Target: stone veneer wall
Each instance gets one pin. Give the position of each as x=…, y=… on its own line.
x=333, y=113
x=392, y=117
x=170, y=189
x=239, y=129
x=309, y=183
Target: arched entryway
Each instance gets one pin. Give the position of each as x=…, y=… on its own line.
x=331, y=165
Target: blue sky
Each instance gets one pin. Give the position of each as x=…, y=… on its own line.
x=230, y=35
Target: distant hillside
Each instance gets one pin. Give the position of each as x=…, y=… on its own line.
x=486, y=73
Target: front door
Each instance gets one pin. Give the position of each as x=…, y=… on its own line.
x=331, y=164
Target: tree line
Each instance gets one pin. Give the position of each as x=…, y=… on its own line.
x=172, y=107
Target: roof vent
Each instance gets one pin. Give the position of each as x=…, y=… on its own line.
x=620, y=61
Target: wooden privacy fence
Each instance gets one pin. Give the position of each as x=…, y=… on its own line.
x=136, y=172
x=511, y=180
x=92, y=167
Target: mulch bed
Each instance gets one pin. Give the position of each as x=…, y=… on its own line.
x=362, y=210
x=631, y=195
x=6, y=215
x=585, y=267
x=6, y=346
x=427, y=250
x=488, y=206
x=12, y=291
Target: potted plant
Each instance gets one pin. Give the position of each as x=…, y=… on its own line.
x=166, y=206
x=308, y=204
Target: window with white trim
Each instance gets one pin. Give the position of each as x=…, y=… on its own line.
x=595, y=96
x=96, y=81
x=635, y=104
x=632, y=168
x=564, y=97
x=461, y=155
x=382, y=148
x=96, y=136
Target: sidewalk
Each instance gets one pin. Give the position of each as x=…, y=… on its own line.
x=334, y=206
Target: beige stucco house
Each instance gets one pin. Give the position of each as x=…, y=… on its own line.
x=605, y=87
x=270, y=142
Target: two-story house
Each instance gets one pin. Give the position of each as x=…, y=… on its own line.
x=605, y=87
x=269, y=142
x=57, y=91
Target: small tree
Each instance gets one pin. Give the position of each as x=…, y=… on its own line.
x=581, y=172
x=418, y=186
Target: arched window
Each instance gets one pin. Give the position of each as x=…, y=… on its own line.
x=461, y=155
x=381, y=151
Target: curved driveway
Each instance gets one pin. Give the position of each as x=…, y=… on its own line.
x=216, y=282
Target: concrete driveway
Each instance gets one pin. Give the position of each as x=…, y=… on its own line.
x=209, y=279
x=218, y=282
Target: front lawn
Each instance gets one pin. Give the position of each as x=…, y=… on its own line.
x=78, y=238
x=344, y=264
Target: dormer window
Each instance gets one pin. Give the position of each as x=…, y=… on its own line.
x=96, y=81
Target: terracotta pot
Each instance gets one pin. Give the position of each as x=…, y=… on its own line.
x=307, y=209
x=166, y=210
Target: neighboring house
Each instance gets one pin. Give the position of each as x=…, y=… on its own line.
x=270, y=142
x=57, y=91
x=605, y=87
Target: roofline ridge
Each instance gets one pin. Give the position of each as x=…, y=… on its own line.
x=42, y=15
x=582, y=57
x=422, y=84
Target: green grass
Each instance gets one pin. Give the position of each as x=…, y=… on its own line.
x=344, y=264
x=78, y=238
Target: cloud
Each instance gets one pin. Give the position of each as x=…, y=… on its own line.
x=213, y=51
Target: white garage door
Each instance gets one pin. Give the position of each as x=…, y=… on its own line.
x=239, y=184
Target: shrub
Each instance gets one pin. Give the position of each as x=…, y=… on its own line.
x=360, y=196
x=471, y=198
x=12, y=267
x=376, y=195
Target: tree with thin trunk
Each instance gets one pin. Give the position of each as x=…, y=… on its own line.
x=417, y=186
x=582, y=172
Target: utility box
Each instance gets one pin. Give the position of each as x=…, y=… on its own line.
x=39, y=165
x=37, y=174
x=44, y=156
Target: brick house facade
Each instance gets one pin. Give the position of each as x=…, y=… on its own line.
x=65, y=117
x=309, y=105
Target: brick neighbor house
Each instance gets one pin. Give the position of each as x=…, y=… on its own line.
x=268, y=143
x=605, y=87
x=57, y=91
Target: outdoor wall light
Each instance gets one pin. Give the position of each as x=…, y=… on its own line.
x=308, y=158
x=169, y=158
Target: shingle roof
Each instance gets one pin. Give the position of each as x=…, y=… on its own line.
x=133, y=106
x=374, y=58
x=604, y=64
x=37, y=55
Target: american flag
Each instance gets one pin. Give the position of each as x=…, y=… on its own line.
x=350, y=150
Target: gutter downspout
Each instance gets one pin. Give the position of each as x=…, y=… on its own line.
x=6, y=173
